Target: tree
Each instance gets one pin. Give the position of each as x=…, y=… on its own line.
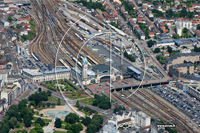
x=79, y=93
x=77, y=103
x=32, y=103
x=40, y=89
x=156, y=50
x=198, y=27
x=150, y=43
x=118, y=109
x=40, y=121
x=12, y=122
x=175, y=36
x=27, y=121
x=169, y=49
x=18, y=26
x=22, y=103
x=59, y=101
x=91, y=128
x=37, y=129
x=58, y=123
x=71, y=118
x=73, y=93
x=67, y=126
x=185, y=30
x=9, y=19
x=76, y=127
x=86, y=121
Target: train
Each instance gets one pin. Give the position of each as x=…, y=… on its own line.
x=76, y=61
x=35, y=56
x=117, y=49
x=24, y=8
x=27, y=52
x=78, y=36
x=29, y=7
x=51, y=17
x=63, y=63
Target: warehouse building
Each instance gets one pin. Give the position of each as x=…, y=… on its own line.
x=165, y=43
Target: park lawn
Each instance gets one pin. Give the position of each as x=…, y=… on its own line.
x=87, y=101
x=63, y=126
x=45, y=120
x=86, y=113
x=44, y=108
x=52, y=99
x=59, y=132
x=75, y=97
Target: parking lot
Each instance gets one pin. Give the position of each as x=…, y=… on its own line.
x=187, y=104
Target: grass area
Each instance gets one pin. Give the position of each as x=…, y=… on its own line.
x=45, y=120
x=86, y=113
x=20, y=125
x=75, y=97
x=174, y=52
x=52, y=99
x=59, y=132
x=87, y=101
x=44, y=108
x=63, y=126
x=108, y=98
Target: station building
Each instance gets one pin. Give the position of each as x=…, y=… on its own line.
x=95, y=74
x=36, y=76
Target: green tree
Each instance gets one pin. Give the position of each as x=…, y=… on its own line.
x=73, y=93
x=18, y=26
x=175, y=36
x=40, y=89
x=116, y=109
x=77, y=103
x=27, y=121
x=76, y=127
x=40, y=121
x=169, y=49
x=67, y=126
x=185, y=30
x=156, y=50
x=22, y=103
x=37, y=129
x=32, y=103
x=59, y=101
x=91, y=128
x=12, y=122
x=86, y=121
x=9, y=19
x=79, y=93
x=58, y=123
x=150, y=43
x=71, y=118
x=198, y=27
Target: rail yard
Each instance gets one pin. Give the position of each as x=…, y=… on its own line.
x=154, y=107
x=51, y=26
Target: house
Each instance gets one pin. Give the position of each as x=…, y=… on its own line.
x=159, y=4
x=166, y=54
x=151, y=34
x=25, y=32
x=190, y=9
x=173, y=9
x=167, y=6
x=176, y=2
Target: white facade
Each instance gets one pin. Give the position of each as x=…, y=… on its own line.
x=23, y=33
x=3, y=78
x=180, y=25
x=36, y=76
x=185, y=51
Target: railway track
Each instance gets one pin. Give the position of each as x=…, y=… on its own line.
x=47, y=51
x=156, y=110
